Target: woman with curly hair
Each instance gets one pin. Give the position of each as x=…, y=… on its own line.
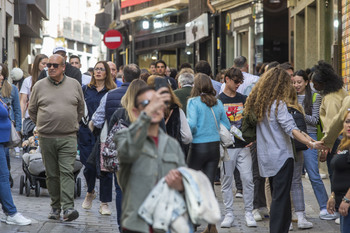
x=275, y=127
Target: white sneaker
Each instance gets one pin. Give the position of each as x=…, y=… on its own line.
x=337, y=221
x=291, y=227
x=323, y=176
x=239, y=194
x=304, y=224
x=228, y=221
x=249, y=218
x=257, y=215
x=324, y=215
x=264, y=212
x=18, y=219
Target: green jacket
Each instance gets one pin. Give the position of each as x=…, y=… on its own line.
x=142, y=164
x=183, y=94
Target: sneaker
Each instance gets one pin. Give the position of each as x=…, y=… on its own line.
x=228, y=221
x=54, y=214
x=291, y=227
x=323, y=176
x=304, y=224
x=104, y=209
x=324, y=215
x=3, y=218
x=249, y=219
x=87, y=204
x=239, y=194
x=264, y=212
x=337, y=221
x=257, y=215
x=70, y=215
x=18, y=219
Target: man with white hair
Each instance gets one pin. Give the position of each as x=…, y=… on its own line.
x=185, y=82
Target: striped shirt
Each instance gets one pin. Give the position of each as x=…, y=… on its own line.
x=312, y=120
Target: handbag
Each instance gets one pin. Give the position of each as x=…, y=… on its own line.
x=301, y=124
x=109, y=154
x=15, y=139
x=85, y=119
x=225, y=135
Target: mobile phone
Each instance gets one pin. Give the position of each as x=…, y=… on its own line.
x=160, y=82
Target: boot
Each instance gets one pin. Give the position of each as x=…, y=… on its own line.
x=210, y=229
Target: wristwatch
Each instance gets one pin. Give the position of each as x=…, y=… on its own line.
x=346, y=200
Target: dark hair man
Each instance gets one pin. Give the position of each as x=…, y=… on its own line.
x=239, y=156
x=69, y=71
x=74, y=60
x=56, y=107
x=144, y=146
x=160, y=70
x=204, y=67
x=152, y=68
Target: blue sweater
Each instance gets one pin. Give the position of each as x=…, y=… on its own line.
x=202, y=122
x=15, y=112
x=5, y=124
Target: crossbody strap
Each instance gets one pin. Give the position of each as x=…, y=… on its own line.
x=216, y=122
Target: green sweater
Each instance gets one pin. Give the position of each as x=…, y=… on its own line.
x=56, y=109
x=183, y=94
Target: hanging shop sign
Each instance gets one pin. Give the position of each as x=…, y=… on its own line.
x=197, y=29
x=126, y=3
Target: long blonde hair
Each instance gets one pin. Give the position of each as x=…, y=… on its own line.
x=345, y=142
x=274, y=85
x=129, y=98
x=6, y=86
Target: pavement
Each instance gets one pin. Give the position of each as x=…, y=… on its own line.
x=37, y=209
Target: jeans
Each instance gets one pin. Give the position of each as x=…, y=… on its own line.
x=345, y=223
x=297, y=191
x=311, y=166
x=6, y=200
x=118, y=200
x=241, y=159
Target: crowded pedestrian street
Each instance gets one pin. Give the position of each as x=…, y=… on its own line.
x=36, y=208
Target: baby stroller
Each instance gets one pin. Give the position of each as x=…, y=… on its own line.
x=35, y=177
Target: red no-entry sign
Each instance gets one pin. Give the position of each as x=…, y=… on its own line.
x=112, y=39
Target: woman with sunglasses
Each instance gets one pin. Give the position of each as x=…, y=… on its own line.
x=101, y=82
x=340, y=163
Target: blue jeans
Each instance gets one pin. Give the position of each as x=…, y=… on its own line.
x=345, y=223
x=311, y=166
x=6, y=200
x=118, y=200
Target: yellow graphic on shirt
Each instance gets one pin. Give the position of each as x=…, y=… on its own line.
x=234, y=112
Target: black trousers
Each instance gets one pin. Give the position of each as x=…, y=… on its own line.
x=280, y=210
x=205, y=157
x=259, y=182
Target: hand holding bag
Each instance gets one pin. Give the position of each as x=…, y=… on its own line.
x=225, y=135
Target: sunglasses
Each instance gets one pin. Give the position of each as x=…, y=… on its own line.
x=100, y=69
x=238, y=81
x=55, y=65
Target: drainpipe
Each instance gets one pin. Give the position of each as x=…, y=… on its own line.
x=211, y=7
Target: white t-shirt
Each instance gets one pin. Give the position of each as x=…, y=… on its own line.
x=25, y=89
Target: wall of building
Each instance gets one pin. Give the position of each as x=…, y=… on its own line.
x=7, y=47
x=345, y=8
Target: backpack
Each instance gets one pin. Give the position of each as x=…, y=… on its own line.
x=301, y=124
x=319, y=124
x=109, y=152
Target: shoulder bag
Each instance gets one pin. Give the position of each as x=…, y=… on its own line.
x=225, y=135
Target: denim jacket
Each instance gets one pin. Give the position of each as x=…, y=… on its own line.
x=15, y=112
x=142, y=165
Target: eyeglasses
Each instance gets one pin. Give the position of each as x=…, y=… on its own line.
x=55, y=65
x=144, y=103
x=99, y=69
